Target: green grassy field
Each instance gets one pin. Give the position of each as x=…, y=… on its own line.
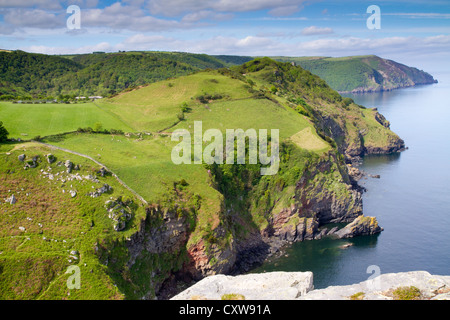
x=155, y=107
x=42, y=229
x=26, y=121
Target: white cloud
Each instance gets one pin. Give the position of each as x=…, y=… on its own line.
x=205, y=15
x=178, y=7
x=34, y=18
x=313, y=30
x=47, y=4
x=123, y=17
x=396, y=48
x=41, y=4
x=427, y=15
x=102, y=46
x=284, y=11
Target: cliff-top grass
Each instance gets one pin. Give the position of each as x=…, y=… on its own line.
x=47, y=230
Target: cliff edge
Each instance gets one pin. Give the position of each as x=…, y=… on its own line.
x=414, y=285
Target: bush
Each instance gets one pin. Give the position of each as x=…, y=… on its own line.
x=185, y=107
x=357, y=296
x=98, y=127
x=407, y=293
x=233, y=296
x=115, y=131
x=3, y=133
x=180, y=116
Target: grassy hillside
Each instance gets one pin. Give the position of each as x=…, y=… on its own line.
x=47, y=230
x=352, y=127
x=26, y=121
x=362, y=73
x=31, y=76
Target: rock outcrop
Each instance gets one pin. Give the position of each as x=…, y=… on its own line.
x=262, y=286
x=383, y=287
x=119, y=211
x=361, y=226
x=11, y=200
x=299, y=286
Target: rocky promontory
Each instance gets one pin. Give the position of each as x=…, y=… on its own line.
x=414, y=285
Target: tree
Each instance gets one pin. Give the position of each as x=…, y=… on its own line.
x=3, y=133
x=98, y=127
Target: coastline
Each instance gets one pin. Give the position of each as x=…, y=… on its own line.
x=385, y=89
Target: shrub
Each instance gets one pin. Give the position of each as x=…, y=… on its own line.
x=357, y=296
x=3, y=133
x=98, y=127
x=185, y=107
x=346, y=102
x=115, y=131
x=180, y=116
x=233, y=296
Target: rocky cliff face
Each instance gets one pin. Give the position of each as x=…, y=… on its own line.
x=352, y=137
x=323, y=194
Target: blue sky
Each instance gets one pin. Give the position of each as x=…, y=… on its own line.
x=414, y=32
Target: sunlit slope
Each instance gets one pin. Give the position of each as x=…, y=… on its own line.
x=219, y=101
x=27, y=121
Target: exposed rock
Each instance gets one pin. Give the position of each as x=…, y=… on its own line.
x=432, y=287
x=119, y=212
x=332, y=231
x=263, y=286
x=200, y=260
x=69, y=165
x=355, y=172
x=359, y=227
x=73, y=193
x=299, y=286
x=50, y=158
x=102, y=172
x=346, y=245
x=22, y=157
x=382, y=120
x=106, y=188
x=11, y=200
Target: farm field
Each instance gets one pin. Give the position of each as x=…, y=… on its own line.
x=26, y=121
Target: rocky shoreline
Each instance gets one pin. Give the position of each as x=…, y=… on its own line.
x=249, y=253
x=386, y=89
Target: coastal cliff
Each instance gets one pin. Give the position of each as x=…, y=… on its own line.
x=254, y=216
x=362, y=74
